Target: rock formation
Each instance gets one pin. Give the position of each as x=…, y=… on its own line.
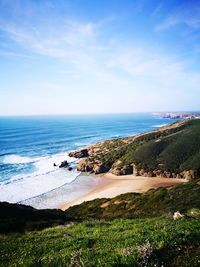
x=145, y=154
x=79, y=154
x=64, y=164
x=127, y=169
x=87, y=165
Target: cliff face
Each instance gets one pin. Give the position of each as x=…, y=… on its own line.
x=171, y=151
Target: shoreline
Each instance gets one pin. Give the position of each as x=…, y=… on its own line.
x=120, y=185
x=79, y=187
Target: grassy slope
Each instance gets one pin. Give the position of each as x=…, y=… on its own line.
x=176, y=152
x=143, y=241
x=14, y=217
x=174, y=149
x=121, y=242
x=161, y=201
x=155, y=202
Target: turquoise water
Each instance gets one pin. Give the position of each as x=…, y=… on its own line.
x=30, y=145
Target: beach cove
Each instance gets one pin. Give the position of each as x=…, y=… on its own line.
x=31, y=145
x=117, y=185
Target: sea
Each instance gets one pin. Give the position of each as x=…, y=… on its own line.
x=30, y=145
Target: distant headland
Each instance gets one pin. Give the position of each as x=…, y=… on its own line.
x=178, y=115
x=171, y=151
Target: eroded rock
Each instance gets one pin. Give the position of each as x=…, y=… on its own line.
x=127, y=169
x=188, y=175
x=79, y=154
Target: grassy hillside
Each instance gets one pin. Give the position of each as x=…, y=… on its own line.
x=155, y=202
x=141, y=242
x=170, y=151
x=20, y=218
x=139, y=230
x=174, y=152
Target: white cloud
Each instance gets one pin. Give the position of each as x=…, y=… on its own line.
x=52, y=41
x=13, y=54
x=167, y=23
x=144, y=62
x=105, y=65
x=189, y=17
x=78, y=44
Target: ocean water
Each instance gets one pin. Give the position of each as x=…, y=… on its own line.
x=29, y=146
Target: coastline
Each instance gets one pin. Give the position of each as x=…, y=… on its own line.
x=82, y=185
x=120, y=185
x=102, y=184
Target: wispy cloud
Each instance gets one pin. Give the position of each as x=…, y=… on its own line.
x=49, y=40
x=84, y=50
x=145, y=62
x=14, y=54
x=157, y=9
x=188, y=16
x=78, y=44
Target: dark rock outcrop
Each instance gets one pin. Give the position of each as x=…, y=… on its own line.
x=64, y=164
x=100, y=168
x=79, y=154
x=88, y=165
x=127, y=169
x=85, y=165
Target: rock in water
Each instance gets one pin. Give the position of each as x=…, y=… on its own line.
x=64, y=164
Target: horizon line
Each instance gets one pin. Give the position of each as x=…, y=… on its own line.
x=107, y=113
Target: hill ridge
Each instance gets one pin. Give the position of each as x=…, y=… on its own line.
x=171, y=151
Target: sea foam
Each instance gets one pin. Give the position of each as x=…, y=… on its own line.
x=17, y=159
x=45, y=178
x=159, y=125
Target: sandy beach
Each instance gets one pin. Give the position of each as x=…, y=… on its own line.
x=123, y=184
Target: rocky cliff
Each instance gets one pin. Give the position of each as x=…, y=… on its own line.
x=172, y=151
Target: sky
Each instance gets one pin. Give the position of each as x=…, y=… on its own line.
x=99, y=56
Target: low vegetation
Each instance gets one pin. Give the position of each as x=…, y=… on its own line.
x=157, y=241
x=129, y=230
x=155, y=202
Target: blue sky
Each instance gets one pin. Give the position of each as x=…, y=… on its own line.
x=102, y=56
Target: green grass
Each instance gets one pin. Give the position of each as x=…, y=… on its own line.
x=121, y=242
x=155, y=202
x=132, y=230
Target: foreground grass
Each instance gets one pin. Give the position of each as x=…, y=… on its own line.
x=157, y=241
